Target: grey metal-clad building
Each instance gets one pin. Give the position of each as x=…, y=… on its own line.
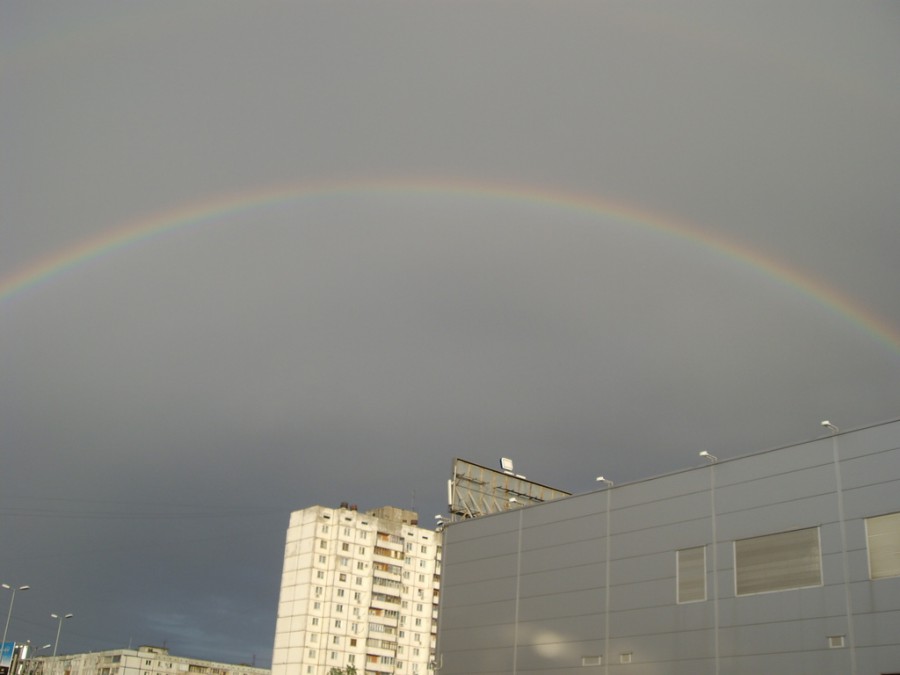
x=785, y=561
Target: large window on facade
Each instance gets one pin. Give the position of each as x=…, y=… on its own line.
x=883, y=539
x=690, y=566
x=778, y=562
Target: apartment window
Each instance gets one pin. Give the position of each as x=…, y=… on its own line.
x=778, y=562
x=342, y=576
x=690, y=564
x=362, y=550
x=352, y=644
x=339, y=608
x=320, y=574
x=313, y=637
x=337, y=623
x=322, y=559
x=312, y=653
x=360, y=565
x=315, y=621
x=325, y=529
x=345, y=546
x=357, y=596
x=317, y=605
x=347, y=531
x=323, y=543
x=345, y=562
x=883, y=540
x=336, y=639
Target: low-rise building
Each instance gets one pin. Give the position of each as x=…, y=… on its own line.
x=145, y=660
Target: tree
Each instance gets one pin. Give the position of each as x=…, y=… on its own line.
x=349, y=670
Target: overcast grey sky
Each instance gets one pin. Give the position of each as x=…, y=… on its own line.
x=596, y=237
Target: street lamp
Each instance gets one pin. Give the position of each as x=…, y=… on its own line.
x=609, y=484
x=11, y=601
x=712, y=459
x=59, y=628
x=842, y=522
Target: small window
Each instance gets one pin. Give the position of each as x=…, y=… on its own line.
x=690, y=566
x=778, y=562
x=883, y=539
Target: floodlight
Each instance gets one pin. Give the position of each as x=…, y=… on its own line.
x=831, y=427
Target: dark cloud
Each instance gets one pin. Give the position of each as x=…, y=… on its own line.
x=165, y=406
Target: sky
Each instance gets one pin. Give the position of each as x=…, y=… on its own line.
x=258, y=256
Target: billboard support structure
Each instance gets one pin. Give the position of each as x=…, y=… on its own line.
x=476, y=490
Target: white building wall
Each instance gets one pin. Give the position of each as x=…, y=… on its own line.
x=141, y=661
x=357, y=591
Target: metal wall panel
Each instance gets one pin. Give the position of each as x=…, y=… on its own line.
x=548, y=572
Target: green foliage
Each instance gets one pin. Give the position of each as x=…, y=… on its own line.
x=349, y=670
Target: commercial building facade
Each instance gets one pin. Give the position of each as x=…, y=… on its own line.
x=358, y=590
x=146, y=660
x=785, y=561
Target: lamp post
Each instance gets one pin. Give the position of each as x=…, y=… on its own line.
x=712, y=459
x=11, y=601
x=59, y=628
x=842, y=524
x=606, y=654
x=515, y=655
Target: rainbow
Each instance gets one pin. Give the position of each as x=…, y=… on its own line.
x=51, y=267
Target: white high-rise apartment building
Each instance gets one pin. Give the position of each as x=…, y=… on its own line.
x=357, y=590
